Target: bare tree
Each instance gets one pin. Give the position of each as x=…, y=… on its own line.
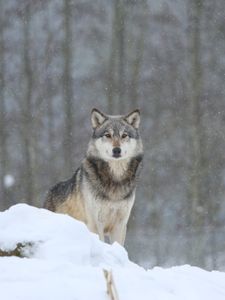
x=3, y=121
x=117, y=61
x=197, y=171
x=68, y=85
x=138, y=51
x=26, y=108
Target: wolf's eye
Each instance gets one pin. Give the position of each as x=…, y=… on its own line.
x=124, y=135
x=108, y=135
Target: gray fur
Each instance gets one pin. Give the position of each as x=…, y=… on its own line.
x=101, y=192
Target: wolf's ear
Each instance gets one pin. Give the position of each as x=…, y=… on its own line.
x=133, y=118
x=97, y=118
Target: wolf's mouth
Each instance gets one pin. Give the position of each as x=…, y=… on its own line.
x=116, y=155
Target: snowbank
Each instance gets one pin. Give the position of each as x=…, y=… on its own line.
x=63, y=260
x=56, y=237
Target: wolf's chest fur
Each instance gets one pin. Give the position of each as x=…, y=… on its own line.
x=109, y=193
x=103, y=195
x=112, y=181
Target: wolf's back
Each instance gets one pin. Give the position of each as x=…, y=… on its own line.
x=59, y=193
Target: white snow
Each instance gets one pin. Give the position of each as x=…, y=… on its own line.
x=66, y=261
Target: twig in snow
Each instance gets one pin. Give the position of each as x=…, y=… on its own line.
x=110, y=283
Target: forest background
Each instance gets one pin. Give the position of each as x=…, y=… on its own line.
x=61, y=58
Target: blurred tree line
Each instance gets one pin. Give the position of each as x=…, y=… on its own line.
x=61, y=58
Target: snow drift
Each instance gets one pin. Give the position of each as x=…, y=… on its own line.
x=63, y=260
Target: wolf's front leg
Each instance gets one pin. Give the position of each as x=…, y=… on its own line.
x=96, y=229
x=100, y=232
x=118, y=234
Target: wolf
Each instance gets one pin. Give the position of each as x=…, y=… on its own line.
x=101, y=193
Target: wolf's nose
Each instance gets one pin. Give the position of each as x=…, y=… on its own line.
x=116, y=152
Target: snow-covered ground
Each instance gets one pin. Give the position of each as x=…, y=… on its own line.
x=63, y=260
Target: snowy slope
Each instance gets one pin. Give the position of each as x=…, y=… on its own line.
x=65, y=261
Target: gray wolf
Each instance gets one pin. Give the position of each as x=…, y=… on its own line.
x=101, y=193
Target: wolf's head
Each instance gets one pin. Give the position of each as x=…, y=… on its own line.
x=115, y=137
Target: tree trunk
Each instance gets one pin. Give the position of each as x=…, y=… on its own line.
x=121, y=54
x=197, y=209
x=138, y=57
x=27, y=127
x=68, y=88
x=116, y=79
x=3, y=136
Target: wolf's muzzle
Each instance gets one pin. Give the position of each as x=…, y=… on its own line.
x=116, y=152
